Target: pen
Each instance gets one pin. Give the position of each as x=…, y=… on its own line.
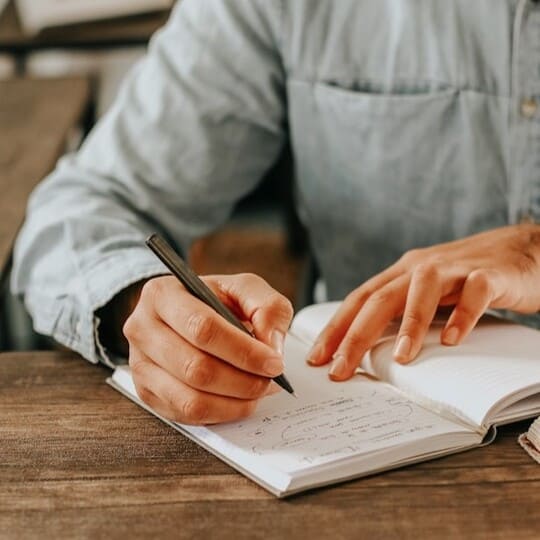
x=200, y=290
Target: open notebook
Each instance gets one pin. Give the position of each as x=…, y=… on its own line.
x=448, y=400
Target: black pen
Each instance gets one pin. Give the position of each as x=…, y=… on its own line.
x=200, y=290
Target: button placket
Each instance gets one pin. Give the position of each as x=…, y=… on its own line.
x=529, y=107
x=533, y=109
x=526, y=130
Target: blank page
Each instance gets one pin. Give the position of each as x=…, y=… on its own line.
x=497, y=364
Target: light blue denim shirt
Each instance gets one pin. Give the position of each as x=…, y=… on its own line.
x=412, y=122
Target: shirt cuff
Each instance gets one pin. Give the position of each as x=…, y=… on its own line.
x=72, y=321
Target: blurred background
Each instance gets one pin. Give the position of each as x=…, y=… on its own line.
x=61, y=64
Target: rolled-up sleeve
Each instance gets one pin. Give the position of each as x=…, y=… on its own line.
x=194, y=128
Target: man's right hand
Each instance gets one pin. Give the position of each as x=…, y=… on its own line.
x=192, y=366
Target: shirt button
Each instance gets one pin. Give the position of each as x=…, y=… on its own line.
x=529, y=107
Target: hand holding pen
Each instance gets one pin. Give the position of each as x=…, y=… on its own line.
x=193, y=366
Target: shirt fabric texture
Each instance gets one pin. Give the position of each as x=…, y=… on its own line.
x=406, y=121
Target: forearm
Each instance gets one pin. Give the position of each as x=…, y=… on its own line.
x=166, y=158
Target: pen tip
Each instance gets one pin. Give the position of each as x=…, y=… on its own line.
x=294, y=395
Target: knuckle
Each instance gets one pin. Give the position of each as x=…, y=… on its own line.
x=436, y=259
x=151, y=289
x=358, y=296
x=201, y=329
x=412, y=256
x=283, y=308
x=287, y=307
x=168, y=396
x=194, y=411
x=245, y=359
x=466, y=313
x=130, y=328
x=413, y=319
x=257, y=388
x=250, y=278
x=144, y=394
x=134, y=327
x=197, y=372
x=427, y=271
x=137, y=366
x=479, y=280
x=380, y=298
x=353, y=345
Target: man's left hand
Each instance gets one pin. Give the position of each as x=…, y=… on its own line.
x=495, y=269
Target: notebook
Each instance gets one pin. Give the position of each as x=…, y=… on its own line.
x=38, y=14
x=530, y=440
x=448, y=400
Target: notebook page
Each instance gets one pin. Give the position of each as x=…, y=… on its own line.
x=499, y=360
x=309, y=322
x=328, y=421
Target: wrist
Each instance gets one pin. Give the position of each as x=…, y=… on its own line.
x=113, y=317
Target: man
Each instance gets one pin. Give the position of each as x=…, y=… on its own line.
x=413, y=124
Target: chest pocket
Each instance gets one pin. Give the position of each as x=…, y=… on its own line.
x=370, y=161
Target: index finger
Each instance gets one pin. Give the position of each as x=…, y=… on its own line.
x=205, y=329
x=368, y=326
x=334, y=332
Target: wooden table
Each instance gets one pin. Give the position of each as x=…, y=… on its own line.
x=36, y=118
x=80, y=460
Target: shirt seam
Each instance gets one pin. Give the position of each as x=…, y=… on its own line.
x=412, y=84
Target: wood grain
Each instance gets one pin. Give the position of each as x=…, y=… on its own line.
x=80, y=460
x=36, y=117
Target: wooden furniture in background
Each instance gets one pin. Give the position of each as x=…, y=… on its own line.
x=125, y=31
x=257, y=250
x=80, y=460
x=36, y=118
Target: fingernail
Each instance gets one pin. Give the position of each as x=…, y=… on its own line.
x=338, y=368
x=273, y=366
x=277, y=339
x=403, y=349
x=451, y=336
x=314, y=354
